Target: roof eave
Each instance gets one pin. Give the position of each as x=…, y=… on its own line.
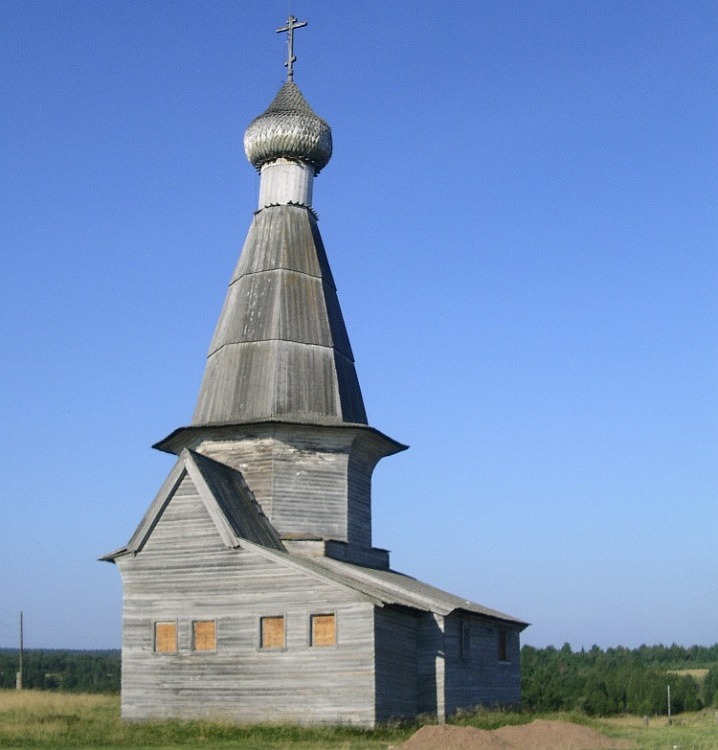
x=183, y=437
x=498, y=616
x=112, y=556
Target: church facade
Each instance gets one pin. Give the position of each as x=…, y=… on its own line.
x=252, y=591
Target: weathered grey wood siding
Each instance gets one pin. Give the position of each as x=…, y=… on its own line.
x=298, y=477
x=359, y=471
x=478, y=677
x=430, y=665
x=185, y=573
x=313, y=481
x=395, y=635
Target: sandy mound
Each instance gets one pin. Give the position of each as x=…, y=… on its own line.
x=448, y=737
x=538, y=735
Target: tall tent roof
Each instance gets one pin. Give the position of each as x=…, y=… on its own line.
x=281, y=349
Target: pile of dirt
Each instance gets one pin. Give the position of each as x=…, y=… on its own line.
x=538, y=735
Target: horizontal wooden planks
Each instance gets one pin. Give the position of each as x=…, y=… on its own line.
x=176, y=580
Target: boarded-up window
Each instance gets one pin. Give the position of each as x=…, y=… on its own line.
x=272, y=632
x=503, y=645
x=166, y=637
x=204, y=635
x=323, y=630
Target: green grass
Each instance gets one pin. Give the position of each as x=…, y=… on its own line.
x=690, y=731
x=63, y=721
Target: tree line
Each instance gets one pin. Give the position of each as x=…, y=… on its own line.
x=597, y=682
x=69, y=671
x=619, y=680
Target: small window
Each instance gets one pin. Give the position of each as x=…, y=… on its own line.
x=271, y=632
x=323, y=630
x=464, y=639
x=166, y=637
x=204, y=635
x=503, y=645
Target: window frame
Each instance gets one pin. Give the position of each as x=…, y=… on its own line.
x=314, y=617
x=193, y=635
x=267, y=618
x=157, y=624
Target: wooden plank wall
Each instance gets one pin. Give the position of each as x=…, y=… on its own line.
x=184, y=573
x=359, y=474
x=478, y=677
x=395, y=634
x=430, y=666
x=309, y=480
x=300, y=480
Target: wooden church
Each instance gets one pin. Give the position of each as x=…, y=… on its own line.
x=252, y=591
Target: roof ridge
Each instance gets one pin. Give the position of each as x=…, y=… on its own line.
x=237, y=504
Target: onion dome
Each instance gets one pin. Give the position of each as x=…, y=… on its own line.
x=289, y=129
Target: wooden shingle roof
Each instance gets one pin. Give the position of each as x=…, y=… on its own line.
x=242, y=525
x=230, y=503
x=289, y=129
x=281, y=349
x=226, y=486
x=393, y=588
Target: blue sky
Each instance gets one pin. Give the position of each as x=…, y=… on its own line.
x=520, y=215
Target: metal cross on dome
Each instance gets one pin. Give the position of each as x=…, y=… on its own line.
x=292, y=24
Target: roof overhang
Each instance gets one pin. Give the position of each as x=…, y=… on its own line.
x=188, y=437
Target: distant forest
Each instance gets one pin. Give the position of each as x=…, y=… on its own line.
x=70, y=671
x=619, y=680
x=597, y=682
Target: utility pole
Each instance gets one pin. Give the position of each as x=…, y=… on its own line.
x=669, y=705
x=18, y=675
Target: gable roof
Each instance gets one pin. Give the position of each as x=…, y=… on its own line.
x=390, y=587
x=397, y=588
x=229, y=502
x=223, y=489
x=241, y=523
x=384, y=587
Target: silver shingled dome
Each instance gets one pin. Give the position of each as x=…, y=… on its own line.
x=290, y=129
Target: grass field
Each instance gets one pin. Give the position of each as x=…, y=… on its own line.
x=699, y=675
x=37, y=719
x=62, y=721
x=690, y=731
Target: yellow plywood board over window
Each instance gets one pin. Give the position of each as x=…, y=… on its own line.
x=204, y=635
x=272, y=632
x=324, y=630
x=166, y=637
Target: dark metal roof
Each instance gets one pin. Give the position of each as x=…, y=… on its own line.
x=281, y=349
